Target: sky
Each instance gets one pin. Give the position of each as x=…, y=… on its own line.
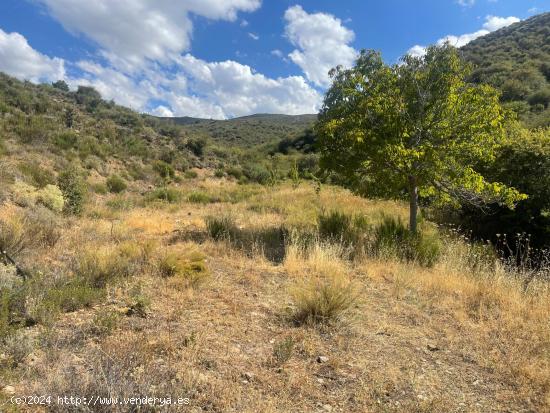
x=227, y=58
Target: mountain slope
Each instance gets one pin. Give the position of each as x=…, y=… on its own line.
x=516, y=59
x=256, y=129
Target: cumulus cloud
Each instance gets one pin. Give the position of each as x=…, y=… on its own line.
x=321, y=41
x=19, y=59
x=131, y=31
x=237, y=90
x=144, y=65
x=491, y=24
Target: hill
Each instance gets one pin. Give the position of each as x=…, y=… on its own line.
x=516, y=60
x=259, y=129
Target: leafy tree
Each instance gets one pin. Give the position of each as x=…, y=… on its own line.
x=74, y=190
x=416, y=127
x=61, y=85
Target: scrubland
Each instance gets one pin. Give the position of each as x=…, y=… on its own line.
x=251, y=298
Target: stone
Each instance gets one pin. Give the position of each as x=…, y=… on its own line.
x=432, y=347
x=9, y=390
x=322, y=359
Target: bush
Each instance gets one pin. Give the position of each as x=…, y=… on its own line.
x=323, y=300
x=393, y=238
x=221, y=228
x=66, y=140
x=218, y=173
x=71, y=295
x=166, y=194
x=197, y=145
x=74, y=191
x=235, y=172
x=99, y=188
x=198, y=197
x=39, y=176
x=165, y=170
x=190, y=174
x=51, y=197
x=257, y=173
x=115, y=184
x=188, y=268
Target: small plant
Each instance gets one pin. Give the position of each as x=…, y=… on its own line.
x=221, y=228
x=166, y=194
x=393, y=238
x=115, y=184
x=282, y=350
x=323, y=300
x=190, y=174
x=51, y=197
x=71, y=295
x=199, y=197
x=219, y=173
x=38, y=175
x=105, y=321
x=164, y=169
x=188, y=268
x=74, y=191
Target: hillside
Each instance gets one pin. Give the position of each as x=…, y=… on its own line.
x=516, y=59
x=256, y=129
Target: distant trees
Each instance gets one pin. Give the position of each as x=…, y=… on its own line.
x=61, y=85
x=415, y=128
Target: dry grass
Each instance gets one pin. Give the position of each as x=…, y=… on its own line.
x=463, y=335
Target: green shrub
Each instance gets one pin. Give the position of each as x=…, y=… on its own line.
x=66, y=140
x=190, y=174
x=166, y=194
x=221, y=228
x=235, y=172
x=115, y=184
x=199, y=197
x=348, y=229
x=74, y=191
x=99, y=188
x=39, y=176
x=190, y=268
x=282, y=350
x=257, y=173
x=51, y=197
x=393, y=238
x=218, y=173
x=196, y=145
x=165, y=170
x=72, y=295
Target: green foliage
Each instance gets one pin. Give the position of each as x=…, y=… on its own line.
x=39, y=176
x=197, y=145
x=51, y=197
x=414, y=127
x=338, y=226
x=524, y=162
x=61, y=85
x=115, y=184
x=221, y=228
x=165, y=170
x=393, y=239
x=257, y=173
x=74, y=190
x=66, y=140
x=199, y=197
x=190, y=174
x=515, y=60
x=166, y=194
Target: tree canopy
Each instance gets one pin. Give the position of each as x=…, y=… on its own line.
x=416, y=128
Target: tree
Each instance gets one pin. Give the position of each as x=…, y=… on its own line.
x=415, y=128
x=61, y=85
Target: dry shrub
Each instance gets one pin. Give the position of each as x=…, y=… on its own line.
x=186, y=269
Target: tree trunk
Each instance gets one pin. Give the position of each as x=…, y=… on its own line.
x=413, y=203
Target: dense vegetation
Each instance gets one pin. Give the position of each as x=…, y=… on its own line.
x=253, y=130
x=516, y=60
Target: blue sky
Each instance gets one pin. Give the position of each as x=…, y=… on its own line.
x=226, y=58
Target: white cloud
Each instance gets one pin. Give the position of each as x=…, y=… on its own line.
x=466, y=3
x=277, y=53
x=237, y=90
x=131, y=31
x=253, y=36
x=145, y=68
x=322, y=43
x=491, y=24
x=19, y=59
